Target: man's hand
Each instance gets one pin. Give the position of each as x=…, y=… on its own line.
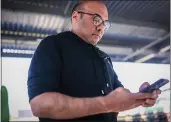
x=122, y=99
x=152, y=101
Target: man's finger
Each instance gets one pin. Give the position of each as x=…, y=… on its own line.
x=150, y=102
x=137, y=103
x=146, y=105
x=142, y=95
x=159, y=91
x=155, y=96
x=154, y=92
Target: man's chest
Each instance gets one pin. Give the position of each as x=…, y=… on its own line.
x=83, y=73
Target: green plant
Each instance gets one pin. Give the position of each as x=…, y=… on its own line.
x=4, y=104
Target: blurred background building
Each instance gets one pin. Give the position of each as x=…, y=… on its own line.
x=139, y=38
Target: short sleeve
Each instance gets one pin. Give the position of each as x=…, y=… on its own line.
x=117, y=83
x=44, y=70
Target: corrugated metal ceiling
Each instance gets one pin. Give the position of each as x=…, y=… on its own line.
x=155, y=11
x=134, y=22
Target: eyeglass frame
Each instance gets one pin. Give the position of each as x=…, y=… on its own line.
x=94, y=15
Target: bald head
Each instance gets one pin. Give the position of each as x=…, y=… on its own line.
x=83, y=20
x=88, y=4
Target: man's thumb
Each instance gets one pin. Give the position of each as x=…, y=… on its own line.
x=144, y=85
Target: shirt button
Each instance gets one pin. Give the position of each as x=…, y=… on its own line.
x=107, y=85
x=102, y=91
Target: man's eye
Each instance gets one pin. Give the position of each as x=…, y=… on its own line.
x=97, y=21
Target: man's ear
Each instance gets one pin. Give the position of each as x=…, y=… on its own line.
x=75, y=16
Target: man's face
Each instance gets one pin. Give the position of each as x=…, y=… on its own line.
x=85, y=25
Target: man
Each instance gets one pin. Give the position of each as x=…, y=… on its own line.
x=71, y=79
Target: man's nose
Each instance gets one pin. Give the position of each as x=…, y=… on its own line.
x=100, y=27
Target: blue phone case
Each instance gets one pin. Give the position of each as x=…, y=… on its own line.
x=155, y=86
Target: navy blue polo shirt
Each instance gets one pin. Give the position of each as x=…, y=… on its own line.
x=66, y=64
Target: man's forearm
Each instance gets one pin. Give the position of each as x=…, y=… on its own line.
x=60, y=106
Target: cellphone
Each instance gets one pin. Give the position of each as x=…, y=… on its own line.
x=155, y=86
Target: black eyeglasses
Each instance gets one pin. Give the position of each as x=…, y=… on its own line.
x=97, y=20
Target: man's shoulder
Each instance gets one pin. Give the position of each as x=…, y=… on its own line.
x=56, y=39
x=59, y=36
